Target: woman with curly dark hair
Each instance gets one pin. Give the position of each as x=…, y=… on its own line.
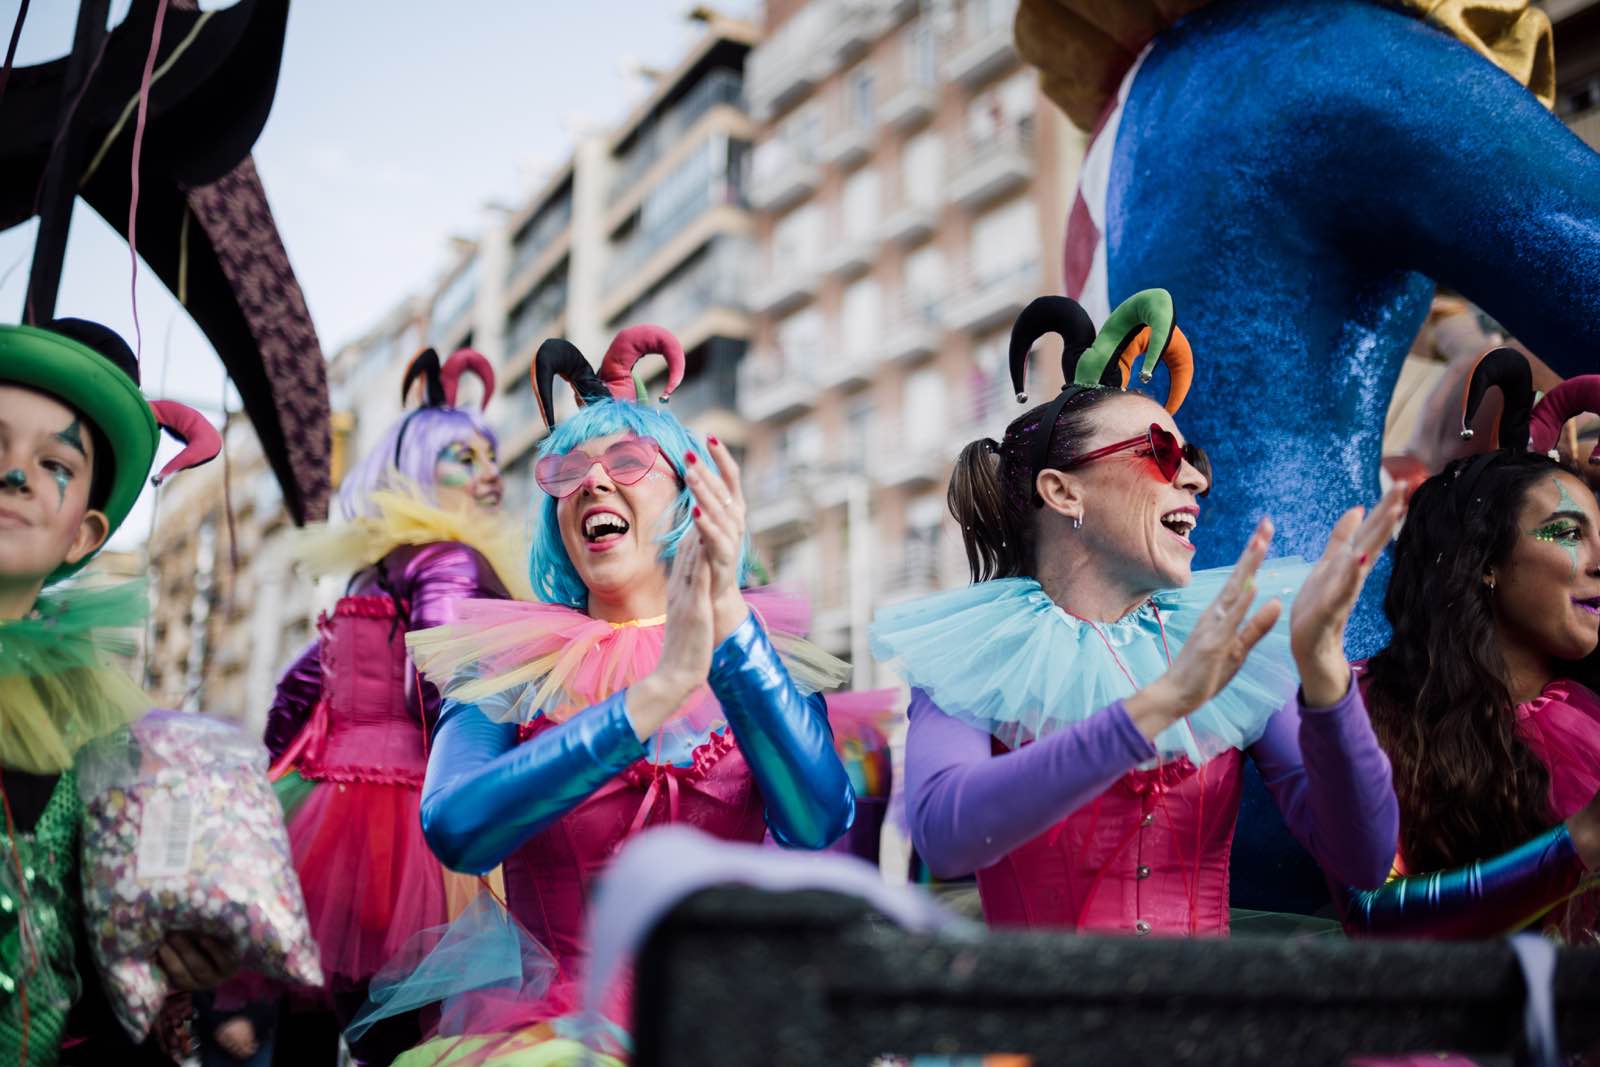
x=1485, y=699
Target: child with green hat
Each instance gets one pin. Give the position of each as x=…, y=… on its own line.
x=77, y=440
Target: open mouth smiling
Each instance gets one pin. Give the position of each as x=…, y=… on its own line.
x=603, y=528
x=1182, y=521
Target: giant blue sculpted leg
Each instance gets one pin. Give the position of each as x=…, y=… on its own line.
x=1297, y=173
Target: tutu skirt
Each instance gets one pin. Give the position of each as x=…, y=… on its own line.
x=370, y=882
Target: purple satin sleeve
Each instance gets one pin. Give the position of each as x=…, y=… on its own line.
x=430, y=578
x=298, y=692
x=969, y=807
x=1334, y=786
x=1489, y=898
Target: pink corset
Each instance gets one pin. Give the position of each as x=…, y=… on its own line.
x=1149, y=855
x=370, y=731
x=549, y=880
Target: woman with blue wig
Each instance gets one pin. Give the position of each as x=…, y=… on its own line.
x=346, y=729
x=646, y=686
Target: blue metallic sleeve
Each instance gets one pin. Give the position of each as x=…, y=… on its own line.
x=485, y=795
x=786, y=740
x=1489, y=898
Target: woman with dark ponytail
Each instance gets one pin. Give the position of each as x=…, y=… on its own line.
x=1079, y=713
x=1485, y=697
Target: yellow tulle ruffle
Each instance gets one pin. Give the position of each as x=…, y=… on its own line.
x=404, y=518
x=61, y=684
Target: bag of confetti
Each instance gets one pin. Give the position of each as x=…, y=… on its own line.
x=182, y=834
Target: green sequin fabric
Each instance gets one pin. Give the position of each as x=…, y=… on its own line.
x=38, y=927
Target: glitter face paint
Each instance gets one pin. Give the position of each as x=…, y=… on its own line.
x=458, y=464
x=1562, y=532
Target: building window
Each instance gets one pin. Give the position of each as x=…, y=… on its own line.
x=856, y=442
x=861, y=204
x=1005, y=242
x=860, y=317
x=797, y=239
x=923, y=283
x=988, y=16
x=922, y=419
x=922, y=169
x=859, y=97
x=921, y=54
x=800, y=338
x=454, y=300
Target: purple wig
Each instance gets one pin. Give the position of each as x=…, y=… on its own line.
x=428, y=431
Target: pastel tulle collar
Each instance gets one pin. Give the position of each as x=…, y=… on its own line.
x=1005, y=658
x=520, y=661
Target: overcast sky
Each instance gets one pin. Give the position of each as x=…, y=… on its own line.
x=395, y=122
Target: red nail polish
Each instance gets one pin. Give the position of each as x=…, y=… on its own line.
x=697, y=511
x=1364, y=558
x=713, y=440
x=689, y=458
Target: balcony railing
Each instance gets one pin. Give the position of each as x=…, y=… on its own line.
x=985, y=298
x=542, y=231
x=786, y=64
x=977, y=55
x=716, y=279
x=781, y=174
x=992, y=164
x=914, y=327
x=720, y=87
x=916, y=573
x=773, y=384
x=636, y=251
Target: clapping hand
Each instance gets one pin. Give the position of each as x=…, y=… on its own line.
x=719, y=515
x=1323, y=606
x=1216, y=648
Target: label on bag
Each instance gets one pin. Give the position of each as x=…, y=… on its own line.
x=166, y=837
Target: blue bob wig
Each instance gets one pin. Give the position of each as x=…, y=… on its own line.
x=555, y=580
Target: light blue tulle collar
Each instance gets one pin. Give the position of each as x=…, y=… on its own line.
x=1005, y=658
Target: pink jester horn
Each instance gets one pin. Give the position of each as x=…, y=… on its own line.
x=201, y=441
x=616, y=369
x=470, y=361
x=1573, y=397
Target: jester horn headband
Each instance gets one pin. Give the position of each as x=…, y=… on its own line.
x=559, y=358
x=1142, y=325
x=201, y=441
x=443, y=380
x=1576, y=396
x=1508, y=370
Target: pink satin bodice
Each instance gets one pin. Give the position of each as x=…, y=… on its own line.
x=1149, y=855
x=549, y=880
x=372, y=732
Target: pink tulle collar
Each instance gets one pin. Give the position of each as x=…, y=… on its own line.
x=1562, y=726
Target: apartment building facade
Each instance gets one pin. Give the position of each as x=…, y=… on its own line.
x=645, y=222
x=911, y=186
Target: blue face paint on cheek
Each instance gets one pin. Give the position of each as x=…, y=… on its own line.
x=62, y=479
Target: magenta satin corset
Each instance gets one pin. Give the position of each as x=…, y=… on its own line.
x=549, y=880
x=372, y=731
x=1149, y=855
